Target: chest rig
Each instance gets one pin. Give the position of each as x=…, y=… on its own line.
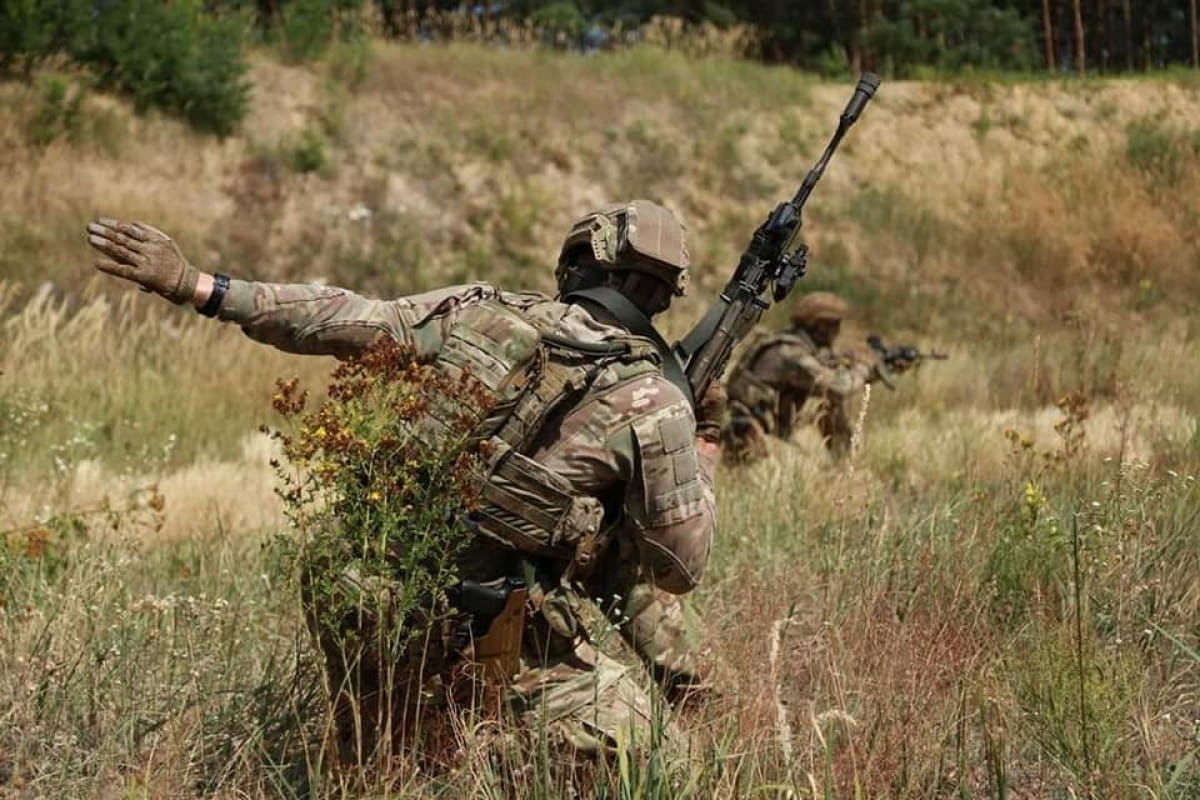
x=530, y=377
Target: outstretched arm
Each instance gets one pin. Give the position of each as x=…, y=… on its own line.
x=297, y=318
x=828, y=379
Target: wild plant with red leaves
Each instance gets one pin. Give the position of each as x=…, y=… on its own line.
x=377, y=479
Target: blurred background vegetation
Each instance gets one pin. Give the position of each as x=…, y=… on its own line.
x=187, y=56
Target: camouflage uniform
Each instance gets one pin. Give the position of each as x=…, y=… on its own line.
x=777, y=374
x=629, y=442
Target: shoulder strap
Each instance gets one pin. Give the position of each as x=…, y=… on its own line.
x=638, y=324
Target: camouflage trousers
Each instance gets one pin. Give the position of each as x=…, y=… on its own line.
x=588, y=703
x=657, y=626
x=588, y=694
x=744, y=436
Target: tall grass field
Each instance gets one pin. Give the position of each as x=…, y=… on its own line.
x=995, y=595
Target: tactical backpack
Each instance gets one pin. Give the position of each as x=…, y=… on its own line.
x=530, y=376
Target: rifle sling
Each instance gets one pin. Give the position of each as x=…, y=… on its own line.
x=689, y=345
x=637, y=323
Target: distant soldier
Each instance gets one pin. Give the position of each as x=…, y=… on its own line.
x=604, y=489
x=779, y=372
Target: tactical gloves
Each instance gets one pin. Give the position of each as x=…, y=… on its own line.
x=145, y=255
x=710, y=413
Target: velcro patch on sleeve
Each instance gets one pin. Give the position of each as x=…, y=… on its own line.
x=676, y=433
x=686, y=466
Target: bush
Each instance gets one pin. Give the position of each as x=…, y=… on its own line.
x=560, y=19
x=173, y=57
x=1159, y=152
x=310, y=26
x=310, y=152
x=381, y=497
x=30, y=30
x=58, y=113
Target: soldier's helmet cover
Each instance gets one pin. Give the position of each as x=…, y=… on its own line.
x=637, y=235
x=817, y=307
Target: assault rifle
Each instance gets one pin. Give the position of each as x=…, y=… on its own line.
x=766, y=272
x=899, y=358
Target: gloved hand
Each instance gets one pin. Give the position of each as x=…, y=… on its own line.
x=710, y=413
x=145, y=255
x=880, y=371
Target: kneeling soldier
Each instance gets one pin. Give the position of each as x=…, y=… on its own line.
x=601, y=482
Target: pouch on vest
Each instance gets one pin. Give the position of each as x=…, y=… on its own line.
x=493, y=345
x=534, y=508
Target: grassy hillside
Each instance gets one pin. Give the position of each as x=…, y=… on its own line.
x=394, y=168
x=995, y=597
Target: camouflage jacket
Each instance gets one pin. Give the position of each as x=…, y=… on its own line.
x=633, y=439
x=779, y=371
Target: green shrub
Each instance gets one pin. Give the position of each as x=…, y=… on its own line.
x=310, y=26
x=310, y=153
x=1159, y=152
x=58, y=113
x=30, y=30
x=173, y=57
x=833, y=62
x=560, y=18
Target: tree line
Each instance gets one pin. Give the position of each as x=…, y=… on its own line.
x=897, y=37
x=187, y=56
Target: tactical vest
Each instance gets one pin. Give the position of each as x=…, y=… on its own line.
x=750, y=394
x=530, y=376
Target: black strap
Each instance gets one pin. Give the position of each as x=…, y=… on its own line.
x=637, y=323
x=219, y=288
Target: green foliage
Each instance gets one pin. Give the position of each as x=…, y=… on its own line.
x=1160, y=152
x=1026, y=566
x=310, y=152
x=982, y=124
x=833, y=62
x=31, y=30
x=309, y=27
x=172, y=56
x=59, y=110
x=952, y=35
x=560, y=17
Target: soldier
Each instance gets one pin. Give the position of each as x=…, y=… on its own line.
x=779, y=372
x=603, y=480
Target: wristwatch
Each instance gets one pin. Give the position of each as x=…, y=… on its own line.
x=213, y=304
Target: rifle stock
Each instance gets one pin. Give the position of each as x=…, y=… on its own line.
x=766, y=272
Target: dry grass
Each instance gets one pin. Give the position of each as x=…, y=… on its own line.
x=448, y=163
x=906, y=628
x=913, y=614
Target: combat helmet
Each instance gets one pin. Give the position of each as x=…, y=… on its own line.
x=638, y=247
x=816, y=307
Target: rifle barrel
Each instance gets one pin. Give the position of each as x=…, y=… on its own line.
x=863, y=93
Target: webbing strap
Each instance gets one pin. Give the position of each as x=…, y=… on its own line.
x=638, y=324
